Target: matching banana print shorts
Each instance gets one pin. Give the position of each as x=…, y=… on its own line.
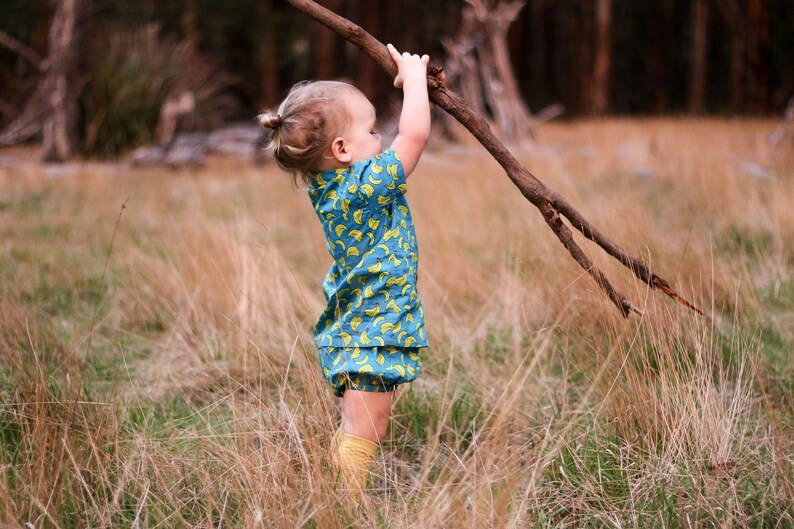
x=369, y=368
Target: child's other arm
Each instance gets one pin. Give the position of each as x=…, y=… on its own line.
x=414, y=128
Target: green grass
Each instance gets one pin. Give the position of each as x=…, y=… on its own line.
x=198, y=403
x=738, y=241
x=600, y=473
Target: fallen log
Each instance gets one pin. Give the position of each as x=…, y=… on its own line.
x=551, y=204
x=243, y=141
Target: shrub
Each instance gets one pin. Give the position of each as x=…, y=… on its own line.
x=131, y=80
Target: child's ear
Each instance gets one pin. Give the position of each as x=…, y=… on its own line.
x=339, y=151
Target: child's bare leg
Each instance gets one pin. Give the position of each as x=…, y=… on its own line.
x=365, y=417
x=366, y=414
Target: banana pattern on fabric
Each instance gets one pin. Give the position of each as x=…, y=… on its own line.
x=371, y=286
x=369, y=368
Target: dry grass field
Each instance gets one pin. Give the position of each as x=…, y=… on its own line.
x=157, y=367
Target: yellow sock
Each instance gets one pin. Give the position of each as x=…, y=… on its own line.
x=352, y=457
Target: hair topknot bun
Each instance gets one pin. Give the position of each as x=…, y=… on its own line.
x=270, y=121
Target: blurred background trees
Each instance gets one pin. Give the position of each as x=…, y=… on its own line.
x=237, y=57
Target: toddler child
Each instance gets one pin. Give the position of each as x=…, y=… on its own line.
x=372, y=329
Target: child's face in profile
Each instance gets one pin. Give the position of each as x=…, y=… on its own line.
x=361, y=137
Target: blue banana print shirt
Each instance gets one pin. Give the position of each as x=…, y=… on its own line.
x=371, y=286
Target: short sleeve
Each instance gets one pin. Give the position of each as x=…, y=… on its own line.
x=382, y=179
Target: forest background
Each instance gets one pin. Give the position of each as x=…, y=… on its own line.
x=722, y=57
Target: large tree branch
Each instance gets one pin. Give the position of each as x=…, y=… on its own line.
x=550, y=203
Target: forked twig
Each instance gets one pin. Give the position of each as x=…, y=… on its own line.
x=551, y=204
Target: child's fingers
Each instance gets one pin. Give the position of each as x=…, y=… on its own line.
x=394, y=53
x=405, y=60
x=413, y=58
x=406, y=55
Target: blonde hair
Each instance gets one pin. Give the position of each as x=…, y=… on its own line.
x=306, y=122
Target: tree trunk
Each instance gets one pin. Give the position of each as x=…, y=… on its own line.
x=267, y=58
x=538, y=37
x=699, y=55
x=461, y=67
x=659, y=69
x=757, y=48
x=735, y=18
x=366, y=70
x=489, y=26
x=578, y=76
x=326, y=47
x=603, y=57
x=60, y=84
x=412, y=10
x=737, y=71
x=515, y=120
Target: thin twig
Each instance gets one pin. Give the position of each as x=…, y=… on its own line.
x=23, y=50
x=102, y=280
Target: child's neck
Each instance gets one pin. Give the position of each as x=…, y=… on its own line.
x=331, y=165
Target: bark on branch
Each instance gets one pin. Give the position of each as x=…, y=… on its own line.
x=551, y=204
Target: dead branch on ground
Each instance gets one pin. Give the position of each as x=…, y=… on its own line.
x=551, y=204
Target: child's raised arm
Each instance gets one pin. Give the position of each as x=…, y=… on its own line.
x=414, y=128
